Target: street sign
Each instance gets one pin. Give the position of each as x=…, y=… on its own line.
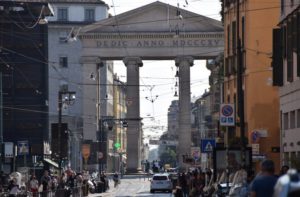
x=255, y=149
x=207, y=145
x=195, y=153
x=227, y=115
x=8, y=149
x=100, y=155
x=23, y=148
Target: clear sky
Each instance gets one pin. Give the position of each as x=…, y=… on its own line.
x=160, y=75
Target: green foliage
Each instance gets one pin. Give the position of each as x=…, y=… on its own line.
x=168, y=157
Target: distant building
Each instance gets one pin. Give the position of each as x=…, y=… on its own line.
x=119, y=132
x=66, y=73
x=286, y=75
x=24, y=74
x=173, y=124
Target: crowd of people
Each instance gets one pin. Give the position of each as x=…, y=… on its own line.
x=67, y=184
x=266, y=183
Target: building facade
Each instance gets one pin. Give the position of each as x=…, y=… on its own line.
x=253, y=29
x=173, y=124
x=119, y=137
x=286, y=73
x=24, y=85
x=66, y=73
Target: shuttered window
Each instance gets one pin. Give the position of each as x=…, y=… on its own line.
x=298, y=44
x=228, y=39
x=289, y=47
x=283, y=41
x=233, y=40
x=277, y=60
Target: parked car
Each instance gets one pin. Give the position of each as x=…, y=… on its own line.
x=161, y=182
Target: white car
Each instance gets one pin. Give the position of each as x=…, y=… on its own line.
x=161, y=182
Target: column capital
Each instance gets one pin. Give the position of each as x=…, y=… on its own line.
x=90, y=60
x=133, y=60
x=188, y=59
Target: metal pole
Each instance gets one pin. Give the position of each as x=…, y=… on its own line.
x=59, y=129
x=240, y=88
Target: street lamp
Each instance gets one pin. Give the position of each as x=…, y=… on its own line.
x=65, y=98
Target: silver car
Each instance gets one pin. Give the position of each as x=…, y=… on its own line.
x=161, y=182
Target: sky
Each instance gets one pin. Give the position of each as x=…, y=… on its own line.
x=158, y=77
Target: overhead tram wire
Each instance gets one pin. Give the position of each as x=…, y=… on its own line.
x=162, y=20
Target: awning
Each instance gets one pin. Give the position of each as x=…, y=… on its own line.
x=53, y=163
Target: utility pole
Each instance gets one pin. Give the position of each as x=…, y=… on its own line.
x=240, y=90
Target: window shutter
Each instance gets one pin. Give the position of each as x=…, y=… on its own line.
x=298, y=44
x=277, y=60
x=289, y=51
x=294, y=33
x=283, y=41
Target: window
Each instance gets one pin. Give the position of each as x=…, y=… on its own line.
x=282, y=6
x=233, y=40
x=63, y=62
x=298, y=46
x=62, y=14
x=289, y=50
x=243, y=31
x=292, y=3
x=286, y=121
x=298, y=118
x=292, y=119
x=228, y=39
x=89, y=14
x=63, y=37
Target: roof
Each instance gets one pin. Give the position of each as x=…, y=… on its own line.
x=35, y=5
x=78, y=1
x=153, y=17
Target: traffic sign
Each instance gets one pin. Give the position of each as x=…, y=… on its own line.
x=23, y=148
x=195, y=152
x=100, y=155
x=207, y=145
x=227, y=115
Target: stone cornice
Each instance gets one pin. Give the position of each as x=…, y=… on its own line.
x=150, y=35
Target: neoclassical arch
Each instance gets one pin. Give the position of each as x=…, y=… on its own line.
x=156, y=31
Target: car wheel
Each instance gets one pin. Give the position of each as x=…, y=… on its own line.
x=151, y=191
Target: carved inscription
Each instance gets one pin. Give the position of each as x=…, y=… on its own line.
x=159, y=43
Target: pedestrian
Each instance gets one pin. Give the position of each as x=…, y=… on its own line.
x=45, y=182
x=284, y=170
x=263, y=184
x=34, y=185
x=13, y=188
x=184, y=185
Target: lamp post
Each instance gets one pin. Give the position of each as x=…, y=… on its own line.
x=69, y=99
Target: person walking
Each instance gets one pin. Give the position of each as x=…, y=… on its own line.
x=34, y=186
x=263, y=184
x=45, y=181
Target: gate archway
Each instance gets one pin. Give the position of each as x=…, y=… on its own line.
x=156, y=31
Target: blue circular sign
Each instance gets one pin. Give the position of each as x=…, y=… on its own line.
x=227, y=110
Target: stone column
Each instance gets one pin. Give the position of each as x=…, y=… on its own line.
x=184, y=136
x=133, y=114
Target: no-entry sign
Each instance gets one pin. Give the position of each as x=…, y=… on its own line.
x=227, y=115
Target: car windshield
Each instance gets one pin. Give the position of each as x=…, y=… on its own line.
x=160, y=178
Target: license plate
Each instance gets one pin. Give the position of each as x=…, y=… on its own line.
x=159, y=182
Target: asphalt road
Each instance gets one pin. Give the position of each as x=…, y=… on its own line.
x=132, y=185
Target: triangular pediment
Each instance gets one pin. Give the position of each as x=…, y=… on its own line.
x=155, y=17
